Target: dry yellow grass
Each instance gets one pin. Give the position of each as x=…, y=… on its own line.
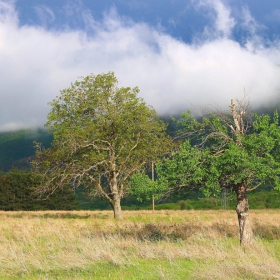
x=44, y=241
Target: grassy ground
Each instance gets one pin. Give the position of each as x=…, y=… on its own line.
x=144, y=245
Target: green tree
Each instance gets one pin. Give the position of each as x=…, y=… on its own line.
x=183, y=171
x=231, y=152
x=103, y=134
x=143, y=188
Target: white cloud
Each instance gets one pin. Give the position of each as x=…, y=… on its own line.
x=45, y=14
x=36, y=63
x=222, y=21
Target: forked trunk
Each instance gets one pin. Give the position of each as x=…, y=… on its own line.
x=242, y=210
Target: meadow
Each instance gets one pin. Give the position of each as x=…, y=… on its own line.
x=186, y=244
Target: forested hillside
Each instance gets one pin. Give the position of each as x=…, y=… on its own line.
x=17, y=147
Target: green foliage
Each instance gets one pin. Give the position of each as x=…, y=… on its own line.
x=103, y=134
x=183, y=169
x=143, y=188
x=255, y=161
x=17, y=193
x=223, y=156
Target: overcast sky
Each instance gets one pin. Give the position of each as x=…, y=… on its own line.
x=178, y=52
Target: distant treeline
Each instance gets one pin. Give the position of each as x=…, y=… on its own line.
x=16, y=193
x=194, y=200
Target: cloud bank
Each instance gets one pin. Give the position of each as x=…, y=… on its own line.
x=36, y=62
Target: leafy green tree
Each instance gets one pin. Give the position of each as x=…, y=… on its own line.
x=15, y=192
x=231, y=152
x=175, y=175
x=103, y=134
x=143, y=188
x=183, y=170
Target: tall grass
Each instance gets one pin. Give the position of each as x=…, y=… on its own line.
x=144, y=245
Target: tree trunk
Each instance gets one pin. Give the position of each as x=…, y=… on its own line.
x=242, y=210
x=115, y=194
x=116, y=205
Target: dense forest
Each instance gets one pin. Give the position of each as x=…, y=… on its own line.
x=17, y=193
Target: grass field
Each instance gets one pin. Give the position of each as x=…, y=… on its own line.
x=144, y=245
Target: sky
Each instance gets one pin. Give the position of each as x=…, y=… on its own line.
x=182, y=54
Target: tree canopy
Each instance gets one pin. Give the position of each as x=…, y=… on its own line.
x=103, y=134
x=230, y=150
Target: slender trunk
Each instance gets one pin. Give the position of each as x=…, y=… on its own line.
x=242, y=210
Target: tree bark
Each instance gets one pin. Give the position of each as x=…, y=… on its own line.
x=116, y=205
x=242, y=210
x=115, y=194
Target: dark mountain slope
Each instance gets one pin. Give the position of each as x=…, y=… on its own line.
x=17, y=146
